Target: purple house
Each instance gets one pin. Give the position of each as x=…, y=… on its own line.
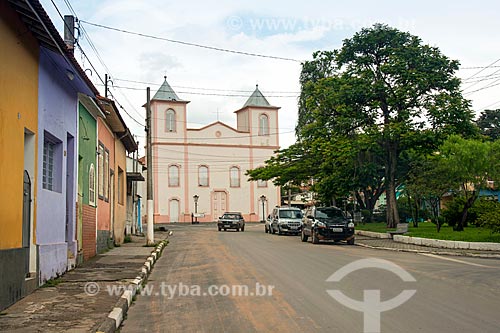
x=60, y=82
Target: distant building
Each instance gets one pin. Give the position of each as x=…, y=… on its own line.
x=210, y=162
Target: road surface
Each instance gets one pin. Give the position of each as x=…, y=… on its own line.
x=277, y=283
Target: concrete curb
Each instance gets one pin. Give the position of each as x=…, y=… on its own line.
x=116, y=316
x=456, y=254
x=436, y=243
x=372, y=234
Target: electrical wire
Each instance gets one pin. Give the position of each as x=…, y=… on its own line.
x=188, y=43
x=482, y=70
x=491, y=85
x=208, y=94
x=225, y=137
x=209, y=89
x=97, y=54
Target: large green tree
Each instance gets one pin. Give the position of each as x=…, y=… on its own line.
x=389, y=87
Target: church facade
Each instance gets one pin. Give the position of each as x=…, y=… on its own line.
x=200, y=173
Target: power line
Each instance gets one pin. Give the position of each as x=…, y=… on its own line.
x=207, y=94
x=92, y=45
x=209, y=89
x=493, y=84
x=190, y=44
x=96, y=52
x=489, y=105
x=483, y=69
x=482, y=78
x=225, y=137
x=479, y=67
x=473, y=84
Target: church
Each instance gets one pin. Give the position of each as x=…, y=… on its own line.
x=198, y=174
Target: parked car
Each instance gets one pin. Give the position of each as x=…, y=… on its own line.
x=231, y=220
x=327, y=223
x=286, y=220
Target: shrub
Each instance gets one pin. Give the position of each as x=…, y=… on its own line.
x=480, y=207
x=491, y=218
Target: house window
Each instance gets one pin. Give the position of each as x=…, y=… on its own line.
x=235, y=176
x=48, y=165
x=106, y=175
x=92, y=185
x=120, y=186
x=170, y=120
x=173, y=176
x=101, y=171
x=203, y=175
x=263, y=125
x=52, y=163
x=261, y=183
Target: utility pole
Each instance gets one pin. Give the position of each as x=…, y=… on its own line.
x=106, y=85
x=149, y=157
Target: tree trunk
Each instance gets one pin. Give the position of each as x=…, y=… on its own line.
x=390, y=176
x=468, y=204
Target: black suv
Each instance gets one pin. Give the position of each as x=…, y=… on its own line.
x=231, y=220
x=327, y=223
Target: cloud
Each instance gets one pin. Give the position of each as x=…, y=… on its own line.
x=151, y=62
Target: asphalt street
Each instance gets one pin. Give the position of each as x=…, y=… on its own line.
x=287, y=288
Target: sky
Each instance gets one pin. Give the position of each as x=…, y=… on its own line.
x=217, y=83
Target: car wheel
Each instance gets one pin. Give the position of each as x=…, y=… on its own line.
x=279, y=231
x=351, y=241
x=225, y=229
x=237, y=229
x=314, y=236
x=243, y=228
x=303, y=236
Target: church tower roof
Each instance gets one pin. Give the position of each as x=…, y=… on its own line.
x=166, y=93
x=257, y=99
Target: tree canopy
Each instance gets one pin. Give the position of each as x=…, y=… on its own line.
x=489, y=124
x=362, y=106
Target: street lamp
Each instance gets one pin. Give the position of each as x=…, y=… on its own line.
x=263, y=200
x=196, y=197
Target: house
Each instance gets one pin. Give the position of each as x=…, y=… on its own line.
x=19, y=61
x=59, y=90
x=48, y=145
x=202, y=171
x=86, y=209
x=115, y=141
x=43, y=82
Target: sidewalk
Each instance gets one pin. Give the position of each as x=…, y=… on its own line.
x=66, y=307
x=389, y=244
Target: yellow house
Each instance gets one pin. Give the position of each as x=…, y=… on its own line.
x=19, y=59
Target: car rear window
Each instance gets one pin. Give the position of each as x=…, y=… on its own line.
x=231, y=216
x=329, y=213
x=290, y=214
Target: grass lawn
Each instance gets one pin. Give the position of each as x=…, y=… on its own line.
x=428, y=230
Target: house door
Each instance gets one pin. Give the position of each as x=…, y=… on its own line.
x=174, y=210
x=219, y=204
x=26, y=220
x=79, y=225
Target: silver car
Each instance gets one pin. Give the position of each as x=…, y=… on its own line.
x=286, y=220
